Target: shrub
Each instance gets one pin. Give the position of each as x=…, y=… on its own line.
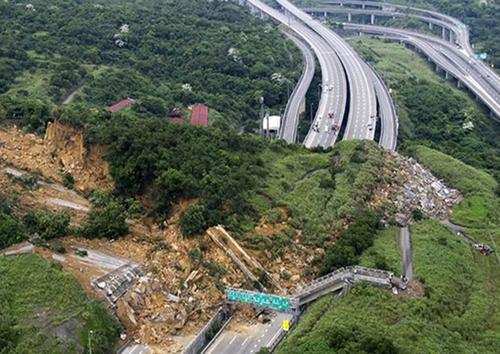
x=195, y=254
x=417, y=215
x=358, y=237
x=108, y=221
x=215, y=269
x=11, y=230
x=46, y=224
x=68, y=180
x=194, y=221
x=9, y=334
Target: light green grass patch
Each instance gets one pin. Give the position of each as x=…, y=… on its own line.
x=385, y=253
x=458, y=313
x=31, y=84
x=47, y=311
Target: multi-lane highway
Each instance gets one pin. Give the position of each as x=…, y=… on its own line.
x=334, y=86
x=248, y=340
x=387, y=114
x=464, y=71
x=455, y=57
x=362, y=100
x=288, y=131
x=348, y=85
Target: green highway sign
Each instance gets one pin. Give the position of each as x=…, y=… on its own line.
x=275, y=302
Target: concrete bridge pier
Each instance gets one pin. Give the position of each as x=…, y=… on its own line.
x=349, y=17
x=451, y=38
x=430, y=25
x=372, y=19
x=444, y=33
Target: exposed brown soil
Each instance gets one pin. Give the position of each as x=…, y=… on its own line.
x=62, y=150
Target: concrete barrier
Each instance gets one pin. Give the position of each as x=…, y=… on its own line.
x=210, y=331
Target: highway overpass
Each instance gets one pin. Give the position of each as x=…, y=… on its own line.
x=454, y=57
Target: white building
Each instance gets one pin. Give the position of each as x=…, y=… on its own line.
x=271, y=123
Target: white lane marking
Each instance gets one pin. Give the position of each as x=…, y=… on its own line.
x=273, y=338
x=242, y=344
x=232, y=340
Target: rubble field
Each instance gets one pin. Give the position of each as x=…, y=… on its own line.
x=169, y=286
x=411, y=187
x=62, y=150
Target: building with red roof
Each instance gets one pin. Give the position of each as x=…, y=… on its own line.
x=199, y=115
x=118, y=106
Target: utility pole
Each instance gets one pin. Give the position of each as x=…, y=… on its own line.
x=91, y=332
x=261, y=100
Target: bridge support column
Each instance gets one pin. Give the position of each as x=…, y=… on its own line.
x=443, y=33
x=325, y=14
x=459, y=84
x=349, y=17
x=430, y=25
x=446, y=75
x=372, y=19
x=363, y=6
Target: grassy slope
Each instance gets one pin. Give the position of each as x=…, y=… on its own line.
x=384, y=254
x=480, y=208
x=301, y=181
x=431, y=110
x=456, y=315
x=42, y=300
x=458, y=312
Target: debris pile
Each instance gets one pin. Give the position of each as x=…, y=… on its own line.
x=116, y=283
x=62, y=151
x=413, y=188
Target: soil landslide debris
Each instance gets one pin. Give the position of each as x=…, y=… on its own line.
x=410, y=187
x=61, y=151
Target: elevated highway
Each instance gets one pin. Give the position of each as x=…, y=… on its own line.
x=455, y=57
x=334, y=93
x=445, y=60
x=362, y=100
x=296, y=102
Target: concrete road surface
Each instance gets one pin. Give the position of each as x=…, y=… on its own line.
x=135, y=349
x=290, y=123
x=405, y=244
x=251, y=340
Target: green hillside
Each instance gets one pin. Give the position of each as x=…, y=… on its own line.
x=163, y=54
x=46, y=311
x=457, y=312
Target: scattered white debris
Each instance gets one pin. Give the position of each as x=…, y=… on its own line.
x=278, y=77
x=124, y=28
x=30, y=7
x=234, y=54
x=173, y=298
x=416, y=188
x=187, y=87
x=58, y=258
x=101, y=285
x=468, y=126
x=120, y=43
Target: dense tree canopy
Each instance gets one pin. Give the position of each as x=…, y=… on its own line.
x=163, y=53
